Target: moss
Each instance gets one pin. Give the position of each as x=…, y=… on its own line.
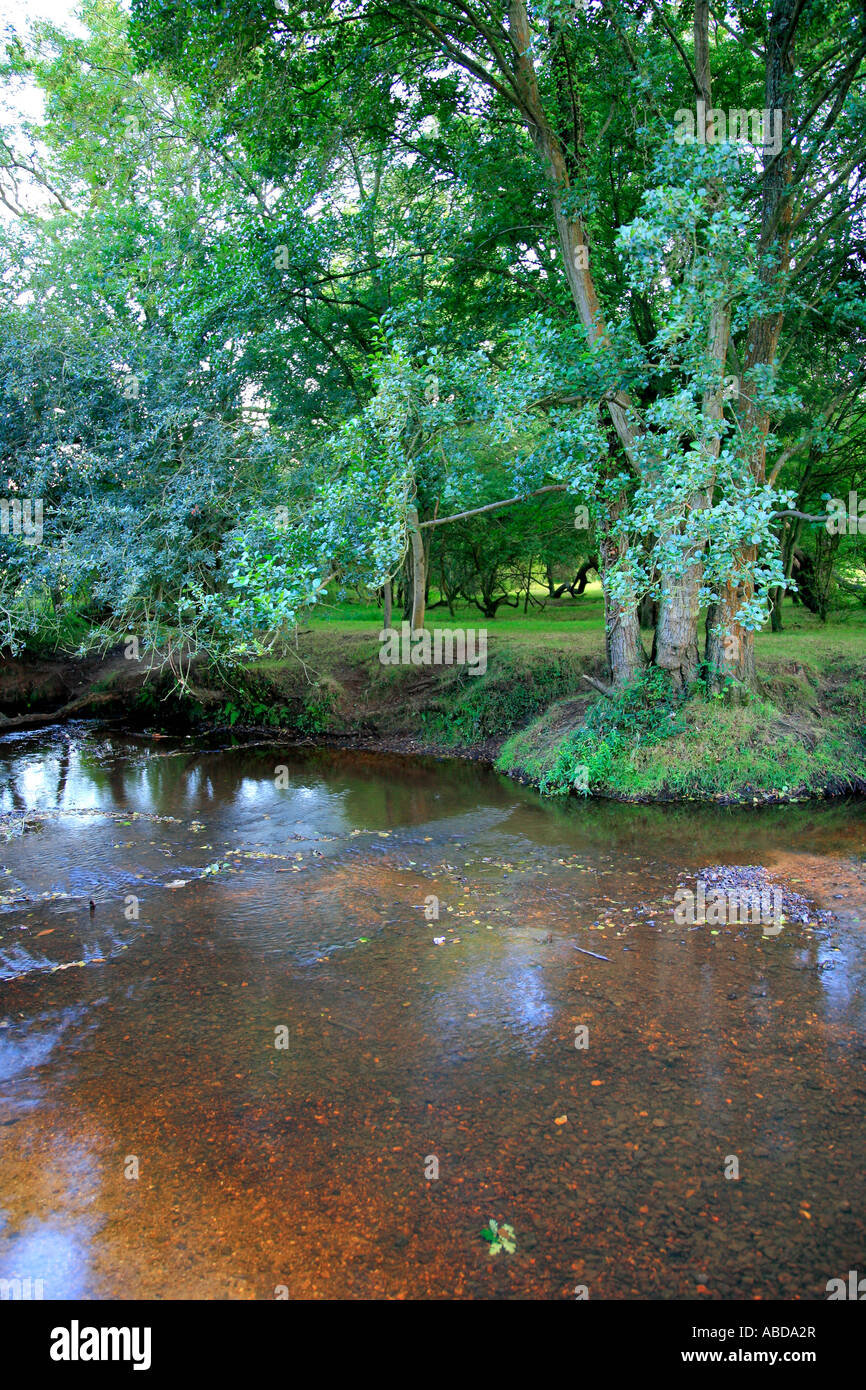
x=697, y=749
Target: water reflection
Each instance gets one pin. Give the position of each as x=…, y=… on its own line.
x=59, y=1252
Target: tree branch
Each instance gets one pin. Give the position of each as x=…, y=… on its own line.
x=492, y=506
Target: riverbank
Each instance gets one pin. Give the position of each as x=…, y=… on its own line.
x=532, y=712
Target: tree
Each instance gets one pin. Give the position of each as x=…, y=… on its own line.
x=331, y=233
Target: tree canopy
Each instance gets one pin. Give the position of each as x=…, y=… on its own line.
x=288, y=286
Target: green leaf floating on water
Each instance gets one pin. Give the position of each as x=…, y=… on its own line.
x=499, y=1238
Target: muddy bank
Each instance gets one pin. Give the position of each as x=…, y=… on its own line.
x=36, y=686
x=36, y=691
x=531, y=714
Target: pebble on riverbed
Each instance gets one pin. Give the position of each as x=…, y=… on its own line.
x=729, y=878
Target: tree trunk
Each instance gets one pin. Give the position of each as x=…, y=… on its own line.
x=582, y=575
x=404, y=591
x=730, y=647
x=625, y=651
x=622, y=633
x=418, y=569
x=826, y=547
x=675, y=644
x=386, y=605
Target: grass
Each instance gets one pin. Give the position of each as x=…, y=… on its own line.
x=803, y=735
x=532, y=713
x=756, y=752
x=587, y=611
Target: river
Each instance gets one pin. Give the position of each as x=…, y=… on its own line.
x=326, y=1020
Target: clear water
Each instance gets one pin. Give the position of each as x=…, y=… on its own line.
x=304, y=916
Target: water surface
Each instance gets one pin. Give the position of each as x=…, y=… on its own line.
x=258, y=896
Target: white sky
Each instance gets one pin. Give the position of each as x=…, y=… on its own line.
x=18, y=12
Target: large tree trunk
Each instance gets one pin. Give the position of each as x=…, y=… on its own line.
x=730, y=647
x=675, y=648
x=675, y=645
x=625, y=650
x=623, y=645
x=762, y=340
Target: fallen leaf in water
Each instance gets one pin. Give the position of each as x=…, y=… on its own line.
x=178, y=883
x=561, y=1120
x=46, y=932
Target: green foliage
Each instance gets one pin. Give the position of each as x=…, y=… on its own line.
x=261, y=300
x=499, y=1237
x=316, y=710
x=320, y=712
x=645, y=713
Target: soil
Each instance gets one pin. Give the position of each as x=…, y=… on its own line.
x=36, y=691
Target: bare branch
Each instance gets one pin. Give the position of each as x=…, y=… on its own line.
x=493, y=506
